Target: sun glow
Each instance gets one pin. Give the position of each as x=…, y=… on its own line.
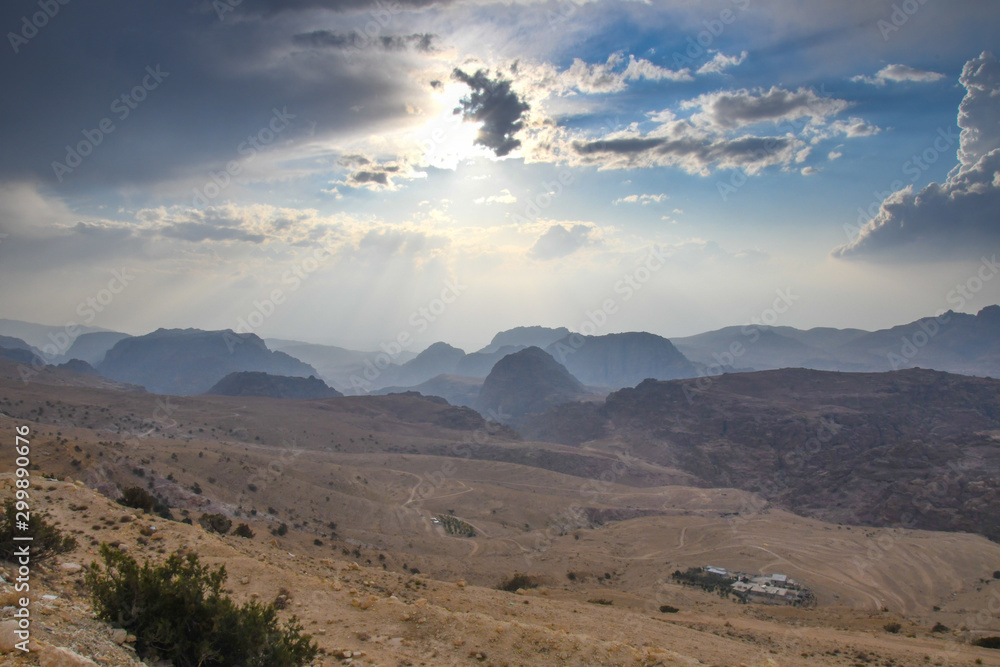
x=446, y=140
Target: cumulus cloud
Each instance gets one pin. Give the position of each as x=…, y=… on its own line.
x=961, y=214
x=721, y=62
x=559, y=241
x=680, y=144
x=645, y=200
x=897, y=73
x=505, y=197
x=613, y=75
x=372, y=175
x=723, y=130
x=729, y=110
x=496, y=106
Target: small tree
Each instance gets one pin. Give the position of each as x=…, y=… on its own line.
x=178, y=612
x=243, y=530
x=47, y=540
x=216, y=523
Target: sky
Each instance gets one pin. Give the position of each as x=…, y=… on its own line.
x=357, y=172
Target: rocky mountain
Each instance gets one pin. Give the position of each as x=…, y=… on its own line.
x=21, y=355
x=253, y=383
x=42, y=335
x=952, y=342
x=335, y=365
x=78, y=366
x=526, y=382
x=620, y=360
x=913, y=448
x=522, y=337
x=438, y=359
x=479, y=364
x=91, y=347
x=456, y=389
x=191, y=361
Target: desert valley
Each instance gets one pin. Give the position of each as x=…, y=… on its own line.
x=393, y=521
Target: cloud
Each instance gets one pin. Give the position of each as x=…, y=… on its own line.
x=505, y=197
x=496, y=106
x=371, y=175
x=611, y=76
x=960, y=215
x=809, y=171
x=834, y=155
x=319, y=39
x=558, y=241
x=729, y=110
x=645, y=200
x=682, y=145
x=898, y=73
x=721, y=62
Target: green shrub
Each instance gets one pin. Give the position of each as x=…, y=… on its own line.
x=987, y=642
x=892, y=628
x=668, y=609
x=139, y=498
x=603, y=601
x=243, y=530
x=47, y=540
x=178, y=612
x=216, y=523
x=515, y=582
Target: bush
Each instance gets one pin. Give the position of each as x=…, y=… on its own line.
x=668, y=609
x=280, y=530
x=47, y=540
x=243, y=530
x=603, y=601
x=996, y=574
x=940, y=627
x=892, y=628
x=987, y=642
x=216, y=523
x=178, y=612
x=515, y=582
x=139, y=498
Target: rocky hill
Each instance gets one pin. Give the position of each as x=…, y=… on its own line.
x=913, y=448
x=253, y=383
x=620, y=360
x=191, y=361
x=526, y=382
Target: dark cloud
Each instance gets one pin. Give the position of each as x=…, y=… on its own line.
x=379, y=177
x=223, y=80
x=496, y=106
x=558, y=241
x=384, y=9
x=689, y=150
x=961, y=215
x=355, y=39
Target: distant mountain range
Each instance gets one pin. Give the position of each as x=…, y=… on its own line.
x=192, y=361
x=526, y=382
